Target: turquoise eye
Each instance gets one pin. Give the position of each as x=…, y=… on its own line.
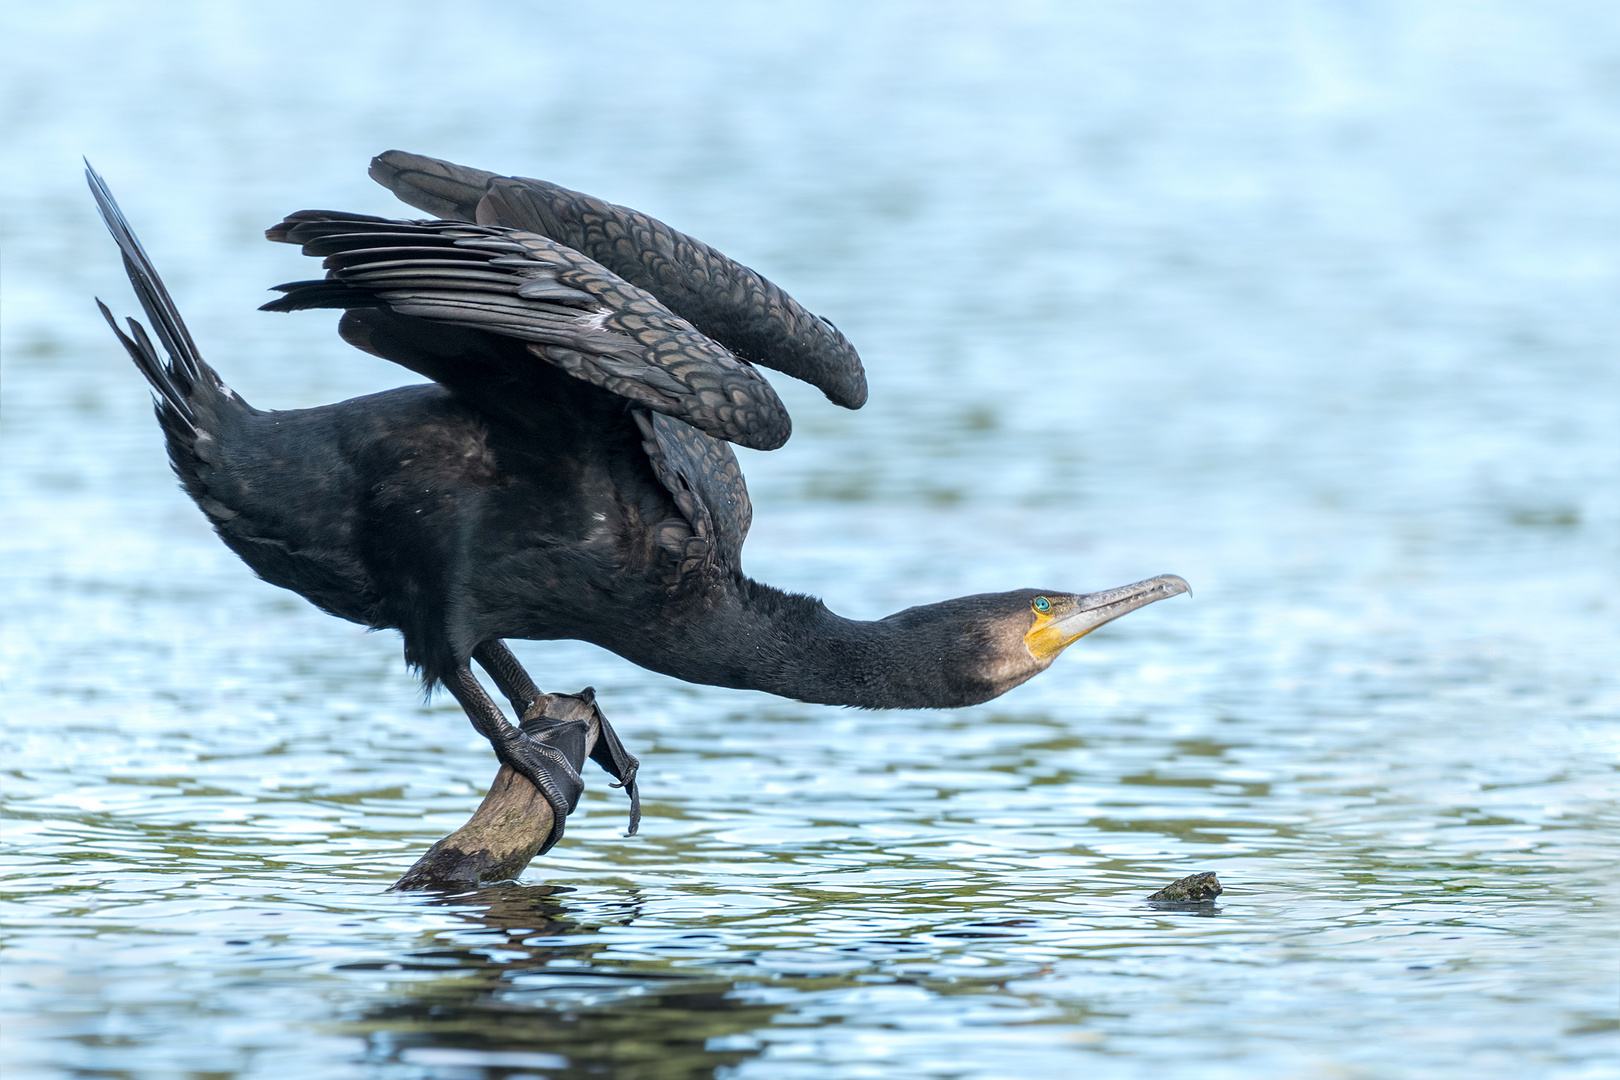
x=1042, y=604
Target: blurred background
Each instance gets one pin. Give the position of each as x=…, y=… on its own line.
x=1313, y=304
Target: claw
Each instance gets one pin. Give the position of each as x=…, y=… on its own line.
x=620, y=764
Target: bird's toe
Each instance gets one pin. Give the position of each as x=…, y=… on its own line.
x=550, y=754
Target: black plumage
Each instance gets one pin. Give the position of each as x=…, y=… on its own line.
x=566, y=474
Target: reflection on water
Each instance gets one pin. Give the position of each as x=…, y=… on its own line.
x=522, y=988
x=530, y=983
x=1311, y=304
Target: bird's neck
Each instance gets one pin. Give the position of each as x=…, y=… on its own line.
x=755, y=637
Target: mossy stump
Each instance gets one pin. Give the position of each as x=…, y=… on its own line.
x=510, y=825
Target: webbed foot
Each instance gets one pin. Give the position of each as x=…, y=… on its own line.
x=549, y=750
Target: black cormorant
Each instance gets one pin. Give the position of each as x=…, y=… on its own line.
x=566, y=473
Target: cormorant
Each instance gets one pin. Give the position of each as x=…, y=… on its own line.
x=566, y=473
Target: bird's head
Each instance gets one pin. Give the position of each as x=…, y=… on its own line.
x=1058, y=620
x=990, y=643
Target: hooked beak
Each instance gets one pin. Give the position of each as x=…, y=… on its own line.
x=1069, y=618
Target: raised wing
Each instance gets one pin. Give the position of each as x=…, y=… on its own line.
x=724, y=299
x=568, y=311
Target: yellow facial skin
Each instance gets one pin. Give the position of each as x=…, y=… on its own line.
x=1061, y=619
x=1045, y=639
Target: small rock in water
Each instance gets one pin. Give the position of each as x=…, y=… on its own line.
x=1192, y=889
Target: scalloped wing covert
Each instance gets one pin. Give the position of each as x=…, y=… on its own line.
x=568, y=309
x=727, y=301
x=703, y=477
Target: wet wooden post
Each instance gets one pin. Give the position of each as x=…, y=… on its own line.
x=509, y=826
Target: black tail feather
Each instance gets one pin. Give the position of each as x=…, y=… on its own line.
x=140, y=350
x=178, y=379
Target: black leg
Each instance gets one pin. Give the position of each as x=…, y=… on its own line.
x=494, y=657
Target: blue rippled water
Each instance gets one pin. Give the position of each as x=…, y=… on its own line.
x=1313, y=304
